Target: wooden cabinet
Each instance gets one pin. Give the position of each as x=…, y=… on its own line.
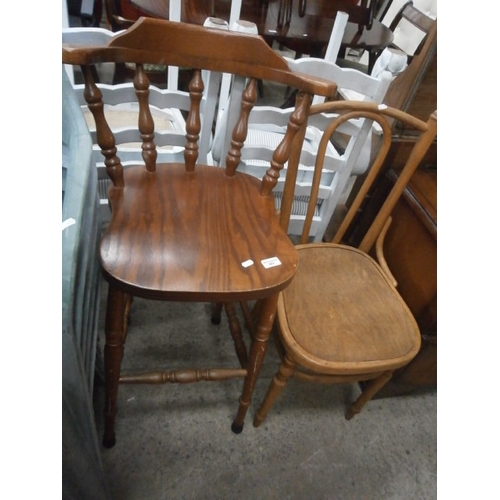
x=411, y=252
x=410, y=249
x=411, y=243
x=415, y=90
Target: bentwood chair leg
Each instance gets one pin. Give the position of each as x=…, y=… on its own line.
x=285, y=371
x=115, y=329
x=371, y=388
x=258, y=350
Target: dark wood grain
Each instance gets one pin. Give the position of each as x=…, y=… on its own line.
x=196, y=233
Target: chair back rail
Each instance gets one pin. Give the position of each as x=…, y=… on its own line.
x=187, y=45
x=341, y=319
x=345, y=158
x=163, y=42
x=384, y=116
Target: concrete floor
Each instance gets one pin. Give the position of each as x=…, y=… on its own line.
x=175, y=441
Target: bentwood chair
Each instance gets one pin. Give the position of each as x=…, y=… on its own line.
x=341, y=320
x=188, y=231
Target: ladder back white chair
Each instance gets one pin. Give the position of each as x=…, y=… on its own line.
x=168, y=107
x=348, y=154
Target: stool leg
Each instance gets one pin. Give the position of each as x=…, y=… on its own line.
x=216, y=313
x=256, y=357
x=116, y=330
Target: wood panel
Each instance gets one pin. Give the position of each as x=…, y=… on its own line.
x=415, y=90
x=411, y=252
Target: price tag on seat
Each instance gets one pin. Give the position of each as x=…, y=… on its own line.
x=271, y=262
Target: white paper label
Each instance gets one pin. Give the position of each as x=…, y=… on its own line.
x=271, y=262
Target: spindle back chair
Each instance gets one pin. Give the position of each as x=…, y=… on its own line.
x=188, y=231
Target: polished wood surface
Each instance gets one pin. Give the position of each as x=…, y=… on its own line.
x=181, y=252
x=342, y=318
x=187, y=231
x=308, y=34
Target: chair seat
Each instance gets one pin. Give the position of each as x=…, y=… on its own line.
x=356, y=320
x=204, y=234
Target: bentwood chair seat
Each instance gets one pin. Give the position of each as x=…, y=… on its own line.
x=185, y=231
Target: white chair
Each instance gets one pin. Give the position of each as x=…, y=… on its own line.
x=410, y=21
x=350, y=158
x=170, y=107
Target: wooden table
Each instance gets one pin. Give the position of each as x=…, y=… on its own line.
x=308, y=34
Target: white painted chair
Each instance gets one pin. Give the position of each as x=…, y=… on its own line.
x=266, y=130
x=410, y=22
x=170, y=107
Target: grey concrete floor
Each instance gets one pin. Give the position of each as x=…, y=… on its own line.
x=175, y=441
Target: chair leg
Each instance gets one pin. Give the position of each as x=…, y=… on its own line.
x=235, y=329
x=285, y=371
x=116, y=331
x=216, y=313
x=255, y=359
x=371, y=388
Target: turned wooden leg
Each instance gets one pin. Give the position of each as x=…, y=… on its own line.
x=258, y=350
x=285, y=371
x=235, y=329
x=116, y=330
x=371, y=388
x=216, y=313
